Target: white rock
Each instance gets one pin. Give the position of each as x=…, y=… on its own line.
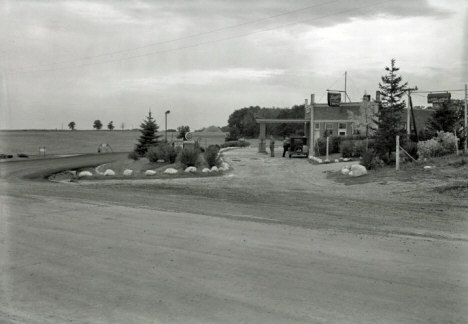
x=351, y=173
x=336, y=161
x=150, y=172
x=221, y=169
x=128, y=172
x=214, y=168
x=225, y=166
x=206, y=170
x=85, y=174
x=109, y=173
x=358, y=170
x=345, y=171
x=427, y=167
x=171, y=171
x=346, y=159
x=191, y=169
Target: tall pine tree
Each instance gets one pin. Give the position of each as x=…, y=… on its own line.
x=389, y=118
x=148, y=136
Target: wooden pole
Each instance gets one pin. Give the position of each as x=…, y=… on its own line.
x=328, y=140
x=397, y=153
x=466, y=118
x=312, y=125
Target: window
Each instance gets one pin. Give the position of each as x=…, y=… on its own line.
x=317, y=125
x=356, y=131
x=329, y=126
x=342, y=126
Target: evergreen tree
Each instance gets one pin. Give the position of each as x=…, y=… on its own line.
x=148, y=136
x=111, y=126
x=389, y=116
x=444, y=118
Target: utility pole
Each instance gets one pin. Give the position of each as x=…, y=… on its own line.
x=466, y=118
x=410, y=109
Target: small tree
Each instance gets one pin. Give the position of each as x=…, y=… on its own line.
x=122, y=125
x=110, y=126
x=71, y=125
x=390, y=111
x=97, y=124
x=444, y=118
x=364, y=121
x=148, y=136
x=182, y=131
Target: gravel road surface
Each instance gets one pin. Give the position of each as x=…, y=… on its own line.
x=271, y=241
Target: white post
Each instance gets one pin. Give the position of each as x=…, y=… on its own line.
x=397, y=153
x=328, y=140
x=408, y=118
x=456, y=141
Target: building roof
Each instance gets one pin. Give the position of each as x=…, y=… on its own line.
x=212, y=129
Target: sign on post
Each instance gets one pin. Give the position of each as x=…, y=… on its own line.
x=438, y=98
x=334, y=99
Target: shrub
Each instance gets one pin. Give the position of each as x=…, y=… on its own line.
x=133, y=156
x=321, y=148
x=334, y=144
x=369, y=159
x=412, y=149
x=169, y=154
x=212, y=157
x=188, y=157
x=154, y=154
x=346, y=149
x=444, y=143
x=359, y=148
x=234, y=144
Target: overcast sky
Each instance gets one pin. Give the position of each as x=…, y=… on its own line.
x=63, y=61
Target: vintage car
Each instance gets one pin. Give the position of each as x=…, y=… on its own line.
x=298, y=147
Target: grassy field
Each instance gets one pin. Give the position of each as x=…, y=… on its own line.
x=78, y=142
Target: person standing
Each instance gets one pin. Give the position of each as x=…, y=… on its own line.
x=286, y=145
x=272, y=146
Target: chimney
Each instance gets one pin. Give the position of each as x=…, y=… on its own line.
x=312, y=98
x=377, y=96
x=306, y=103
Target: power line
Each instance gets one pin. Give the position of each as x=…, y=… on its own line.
x=177, y=39
x=205, y=43
x=332, y=86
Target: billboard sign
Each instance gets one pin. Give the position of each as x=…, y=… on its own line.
x=438, y=98
x=334, y=99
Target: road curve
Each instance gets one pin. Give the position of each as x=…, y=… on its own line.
x=251, y=247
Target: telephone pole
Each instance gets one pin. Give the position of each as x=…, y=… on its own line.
x=408, y=118
x=466, y=118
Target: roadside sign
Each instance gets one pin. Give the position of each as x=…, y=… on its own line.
x=438, y=97
x=334, y=99
x=188, y=136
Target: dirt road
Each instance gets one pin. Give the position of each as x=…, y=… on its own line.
x=273, y=241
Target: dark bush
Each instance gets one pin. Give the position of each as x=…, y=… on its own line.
x=154, y=154
x=188, y=157
x=169, y=154
x=235, y=144
x=359, y=148
x=346, y=149
x=133, y=156
x=212, y=157
x=334, y=144
x=321, y=147
x=369, y=159
x=412, y=149
x=23, y=155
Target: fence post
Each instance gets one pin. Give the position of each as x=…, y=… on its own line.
x=397, y=153
x=328, y=138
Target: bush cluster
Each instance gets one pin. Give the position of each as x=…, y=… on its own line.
x=235, y=144
x=188, y=157
x=133, y=156
x=154, y=154
x=442, y=144
x=212, y=157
